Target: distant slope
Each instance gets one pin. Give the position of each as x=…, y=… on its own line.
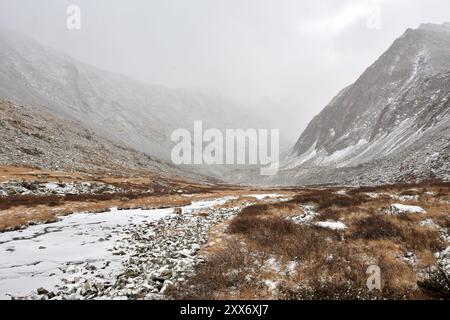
x=33, y=136
x=123, y=110
x=392, y=124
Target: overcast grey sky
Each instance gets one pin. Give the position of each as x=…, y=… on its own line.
x=291, y=56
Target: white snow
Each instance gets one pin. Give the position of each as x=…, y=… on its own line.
x=430, y=224
x=397, y=208
x=295, y=161
x=16, y=187
x=372, y=195
x=308, y=214
x=51, y=186
x=405, y=197
x=271, y=284
x=343, y=153
x=36, y=257
x=265, y=196
x=333, y=225
x=273, y=264
x=332, y=132
x=291, y=267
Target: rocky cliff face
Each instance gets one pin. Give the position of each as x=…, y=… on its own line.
x=396, y=116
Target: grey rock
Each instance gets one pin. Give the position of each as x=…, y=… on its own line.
x=42, y=291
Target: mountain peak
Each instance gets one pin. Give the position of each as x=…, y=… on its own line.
x=388, y=109
x=444, y=27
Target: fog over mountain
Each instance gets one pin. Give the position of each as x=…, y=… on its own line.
x=122, y=109
x=369, y=109
x=237, y=71
x=391, y=125
x=268, y=55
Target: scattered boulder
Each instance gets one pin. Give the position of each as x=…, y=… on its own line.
x=42, y=291
x=166, y=287
x=444, y=261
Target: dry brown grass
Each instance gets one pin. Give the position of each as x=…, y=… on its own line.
x=331, y=264
x=327, y=264
x=22, y=215
x=375, y=227
x=225, y=273
x=28, y=173
x=413, y=236
x=20, y=210
x=325, y=199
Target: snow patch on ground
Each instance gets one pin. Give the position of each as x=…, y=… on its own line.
x=273, y=264
x=397, y=208
x=405, y=197
x=308, y=214
x=373, y=195
x=429, y=223
x=333, y=225
x=265, y=196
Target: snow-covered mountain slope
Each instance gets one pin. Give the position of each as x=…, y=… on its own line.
x=121, y=109
x=396, y=115
x=32, y=136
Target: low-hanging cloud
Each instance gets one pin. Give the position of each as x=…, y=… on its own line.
x=286, y=58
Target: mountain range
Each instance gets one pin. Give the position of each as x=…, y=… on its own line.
x=121, y=109
x=391, y=125
x=33, y=136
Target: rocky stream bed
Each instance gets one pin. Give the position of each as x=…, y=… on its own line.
x=120, y=254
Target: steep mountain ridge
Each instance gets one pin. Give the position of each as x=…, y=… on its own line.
x=394, y=106
x=350, y=116
x=391, y=125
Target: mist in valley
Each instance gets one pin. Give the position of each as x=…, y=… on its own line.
x=280, y=61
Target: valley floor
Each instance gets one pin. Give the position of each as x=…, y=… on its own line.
x=88, y=236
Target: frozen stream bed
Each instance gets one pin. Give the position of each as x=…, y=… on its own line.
x=115, y=254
